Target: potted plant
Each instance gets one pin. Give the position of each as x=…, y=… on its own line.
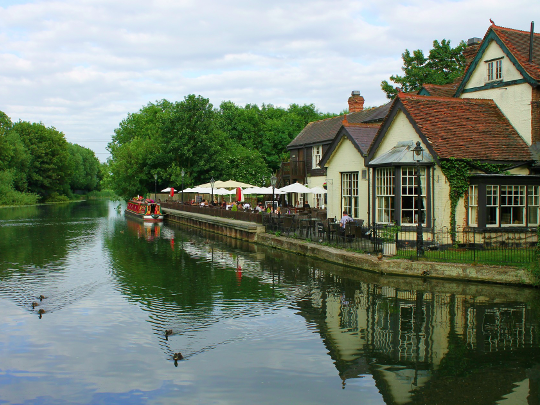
x=388, y=235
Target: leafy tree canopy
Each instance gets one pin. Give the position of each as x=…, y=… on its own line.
x=443, y=65
x=164, y=138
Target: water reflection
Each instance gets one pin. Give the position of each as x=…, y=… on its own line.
x=248, y=319
x=421, y=341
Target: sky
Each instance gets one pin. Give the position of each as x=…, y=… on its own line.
x=82, y=66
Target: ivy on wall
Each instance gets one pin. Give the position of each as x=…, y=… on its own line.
x=458, y=173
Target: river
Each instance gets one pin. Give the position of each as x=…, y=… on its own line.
x=253, y=325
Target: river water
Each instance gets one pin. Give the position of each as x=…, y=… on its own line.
x=254, y=325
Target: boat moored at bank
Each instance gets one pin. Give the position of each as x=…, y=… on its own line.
x=145, y=209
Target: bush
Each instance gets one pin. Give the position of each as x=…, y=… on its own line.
x=10, y=196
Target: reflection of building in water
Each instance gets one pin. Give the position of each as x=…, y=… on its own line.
x=404, y=338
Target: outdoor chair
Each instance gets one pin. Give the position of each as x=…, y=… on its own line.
x=288, y=224
x=350, y=229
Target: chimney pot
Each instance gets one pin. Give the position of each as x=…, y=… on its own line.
x=356, y=101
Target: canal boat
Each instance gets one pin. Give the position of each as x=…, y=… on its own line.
x=145, y=209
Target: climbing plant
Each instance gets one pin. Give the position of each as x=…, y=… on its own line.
x=458, y=173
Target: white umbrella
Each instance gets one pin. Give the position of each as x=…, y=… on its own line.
x=296, y=188
x=227, y=184
x=223, y=191
x=168, y=190
x=318, y=190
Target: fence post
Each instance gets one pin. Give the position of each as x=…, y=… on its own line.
x=474, y=246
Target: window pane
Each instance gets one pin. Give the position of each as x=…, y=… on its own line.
x=384, y=189
x=409, y=195
x=532, y=202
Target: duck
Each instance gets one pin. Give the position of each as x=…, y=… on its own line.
x=425, y=273
x=380, y=256
x=42, y=297
x=177, y=356
x=35, y=304
x=168, y=333
x=41, y=312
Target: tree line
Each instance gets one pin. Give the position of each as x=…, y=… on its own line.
x=37, y=164
x=230, y=142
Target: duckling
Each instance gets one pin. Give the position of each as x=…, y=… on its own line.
x=168, y=333
x=42, y=297
x=41, y=312
x=425, y=273
x=380, y=256
x=34, y=304
x=177, y=356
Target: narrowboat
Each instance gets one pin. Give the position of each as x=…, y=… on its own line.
x=145, y=209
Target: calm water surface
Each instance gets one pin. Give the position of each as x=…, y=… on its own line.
x=255, y=325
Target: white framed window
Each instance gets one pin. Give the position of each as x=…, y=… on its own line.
x=385, y=192
x=318, y=200
x=512, y=205
x=533, y=204
x=349, y=193
x=494, y=70
x=492, y=205
x=409, y=195
x=317, y=155
x=473, y=205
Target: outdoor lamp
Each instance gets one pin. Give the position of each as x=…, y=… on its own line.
x=418, y=156
x=418, y=152
x=183, y=174
x=212, y=182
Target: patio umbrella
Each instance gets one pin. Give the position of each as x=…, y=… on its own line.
x=296, y=188
x=167, y=190
x=228, y=184
x=318, y=190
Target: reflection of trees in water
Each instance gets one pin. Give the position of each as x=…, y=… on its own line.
x=40, y=235
x=38, y=246
x=409, y=335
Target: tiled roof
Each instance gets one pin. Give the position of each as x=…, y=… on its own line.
x=441, y=90
x=518, y=43
x=324, y=131
x=465, y=128
x=363, y=134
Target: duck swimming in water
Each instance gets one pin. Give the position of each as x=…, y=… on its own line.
x=168, y=333
x=177, y=356
x=42, y=297
x=35, y=304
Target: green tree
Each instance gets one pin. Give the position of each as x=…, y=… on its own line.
x=49, y=158
x=443, y=65
x=84, y=167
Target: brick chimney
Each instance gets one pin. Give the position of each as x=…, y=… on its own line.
x=356, y=102
x=473, y=44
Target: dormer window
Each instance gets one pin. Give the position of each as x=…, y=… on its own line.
x=494, y=70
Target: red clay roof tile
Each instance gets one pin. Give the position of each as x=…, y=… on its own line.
x=465, y=128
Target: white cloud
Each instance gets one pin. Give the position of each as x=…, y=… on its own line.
x=83, y=66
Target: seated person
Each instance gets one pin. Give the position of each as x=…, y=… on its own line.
x=344, y=219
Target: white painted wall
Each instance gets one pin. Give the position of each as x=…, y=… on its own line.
x=345, y=158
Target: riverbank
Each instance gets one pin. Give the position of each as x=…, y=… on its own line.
x=401, y=267
x=255, y=233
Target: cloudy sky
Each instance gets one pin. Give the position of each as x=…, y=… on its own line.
x=82, y=66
